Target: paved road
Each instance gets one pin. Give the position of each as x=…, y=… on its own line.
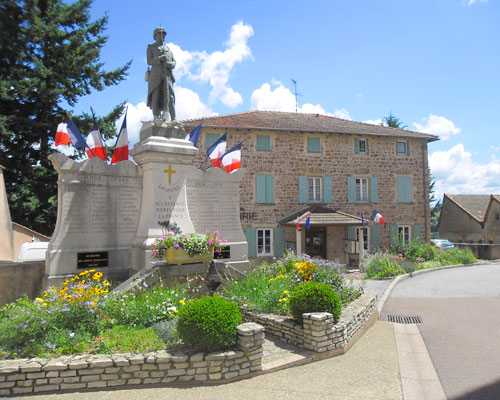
x=460, y=312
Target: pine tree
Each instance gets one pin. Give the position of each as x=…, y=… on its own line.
x=49, y=58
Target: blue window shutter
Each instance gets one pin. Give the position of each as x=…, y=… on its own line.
x=356, y=146
x=260, y=188
x=416, y=233
x=351, y=233
x=263, y=143
x=367, y=146
x=408, y=148
x=374, y=189
x=327, y=183
x=278, y=238
x=269, y=189
x=251, y=240
x=314, y=145
x=351, y=189
x=302, y=189
x=375, y=237
x=393, y=232
x=404, y=189
x=210, y=139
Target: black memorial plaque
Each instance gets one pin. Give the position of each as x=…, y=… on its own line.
x=97, y=259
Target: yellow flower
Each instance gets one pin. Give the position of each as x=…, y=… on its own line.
x=38, y=299
x=285, y=292
x=65, y=282
x=97, y=276
x=182, y=302
x=105, y=283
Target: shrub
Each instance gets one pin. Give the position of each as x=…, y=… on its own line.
x=314, y=296
x=331, y=276
x=167, y=331
x=457, y=256
x=128, y=339
x=381, y=265
x=209, y=323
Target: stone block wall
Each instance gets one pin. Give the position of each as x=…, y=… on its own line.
x=319, y=332
x=105, y=371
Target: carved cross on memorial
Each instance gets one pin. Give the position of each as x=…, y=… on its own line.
x=169, y=171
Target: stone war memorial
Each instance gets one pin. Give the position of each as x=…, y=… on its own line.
x=109, y=215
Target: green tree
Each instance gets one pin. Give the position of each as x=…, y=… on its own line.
x=392, y=121
x=49, y=58
x=435, y=206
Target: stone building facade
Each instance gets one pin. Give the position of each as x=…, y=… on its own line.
x=330, y=170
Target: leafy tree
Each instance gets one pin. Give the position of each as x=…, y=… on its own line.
x=49, y=58
x=435, y=206
x=392, y=121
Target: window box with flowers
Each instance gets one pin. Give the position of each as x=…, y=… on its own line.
x=183, y=248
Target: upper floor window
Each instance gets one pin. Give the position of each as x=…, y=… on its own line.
x=362, y=189
x=402, y=147
x=405, y=192
x=210, y=139
x=361, y=146
x=263, y=143
x=264, y=189
x=315, y=185
x=313, y=144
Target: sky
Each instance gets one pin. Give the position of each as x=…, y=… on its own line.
x=434, y=64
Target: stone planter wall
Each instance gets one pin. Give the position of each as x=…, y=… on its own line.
x=101, y=371
x=319, y=333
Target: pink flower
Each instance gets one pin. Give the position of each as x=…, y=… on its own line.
x=216, y=232
x=210, y=242
x=176, y=245
x=154, y=252
x=170, y=233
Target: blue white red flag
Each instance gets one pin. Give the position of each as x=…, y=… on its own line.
x=308, y=222
x=217, y=150
x=297, y=224
x=67, y=133
x=231, y=161
x=95, y=147
x=194, y=135
x=377, y=217
x=121, y=146
x=362, y=220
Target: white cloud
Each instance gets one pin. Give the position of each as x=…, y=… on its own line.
x=437, y=125
x=373, y=121
x=188, y=105
x=471, y=2
x=215, y=68
x=135, y=114
x=281, y=98
x=456, y=172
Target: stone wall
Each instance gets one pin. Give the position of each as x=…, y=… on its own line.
x=100, y=371
x=320, y=333
x=20, y=278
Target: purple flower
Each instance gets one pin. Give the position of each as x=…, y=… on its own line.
x=25, y=326
x=43, y=321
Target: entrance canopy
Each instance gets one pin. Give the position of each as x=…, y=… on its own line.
x=321, y=216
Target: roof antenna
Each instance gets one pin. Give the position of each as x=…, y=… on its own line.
x=296, y=95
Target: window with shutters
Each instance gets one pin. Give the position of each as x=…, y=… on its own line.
x=314, y=144
x=264, y=242
x=361, y=189
x=366, y=237
x=404, y=234
x=361, y=146
x=315, y=188
x=263, y=143
x=264, y=189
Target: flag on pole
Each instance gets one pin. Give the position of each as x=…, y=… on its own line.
x=94, y=143
x=378, y=218
x=231, y=160
x=67, y=133
x=362, y=220
x=216, y=151
x=194, y=135
x=297, y=224
x=308, y=222
x=121, y=146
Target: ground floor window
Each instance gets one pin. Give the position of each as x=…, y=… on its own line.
x=366, y=237
x=404, y=235
x=264, y=242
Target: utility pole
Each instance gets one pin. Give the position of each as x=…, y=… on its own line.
x=296, y=94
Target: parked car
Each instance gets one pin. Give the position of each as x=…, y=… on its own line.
x=442, y=244
x=33, y=251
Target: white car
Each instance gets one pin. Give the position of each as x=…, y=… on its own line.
x=442, y=244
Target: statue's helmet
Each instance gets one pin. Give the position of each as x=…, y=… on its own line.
x=159, y=30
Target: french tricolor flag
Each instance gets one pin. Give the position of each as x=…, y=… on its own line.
x=67, y=133
x=95, y=147
x=217, y=150
x=231, y=161
x=121, y=147
x=377, y=218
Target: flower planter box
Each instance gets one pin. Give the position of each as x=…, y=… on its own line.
x=179, y=256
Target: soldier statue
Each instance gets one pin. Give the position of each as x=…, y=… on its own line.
x=161, y=97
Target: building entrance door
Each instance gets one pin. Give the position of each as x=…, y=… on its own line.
x=316, y=242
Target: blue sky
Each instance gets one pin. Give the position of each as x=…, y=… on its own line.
x=435, y=64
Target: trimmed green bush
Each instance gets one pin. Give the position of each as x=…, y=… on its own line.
x=314, y=297
x=209, y=323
